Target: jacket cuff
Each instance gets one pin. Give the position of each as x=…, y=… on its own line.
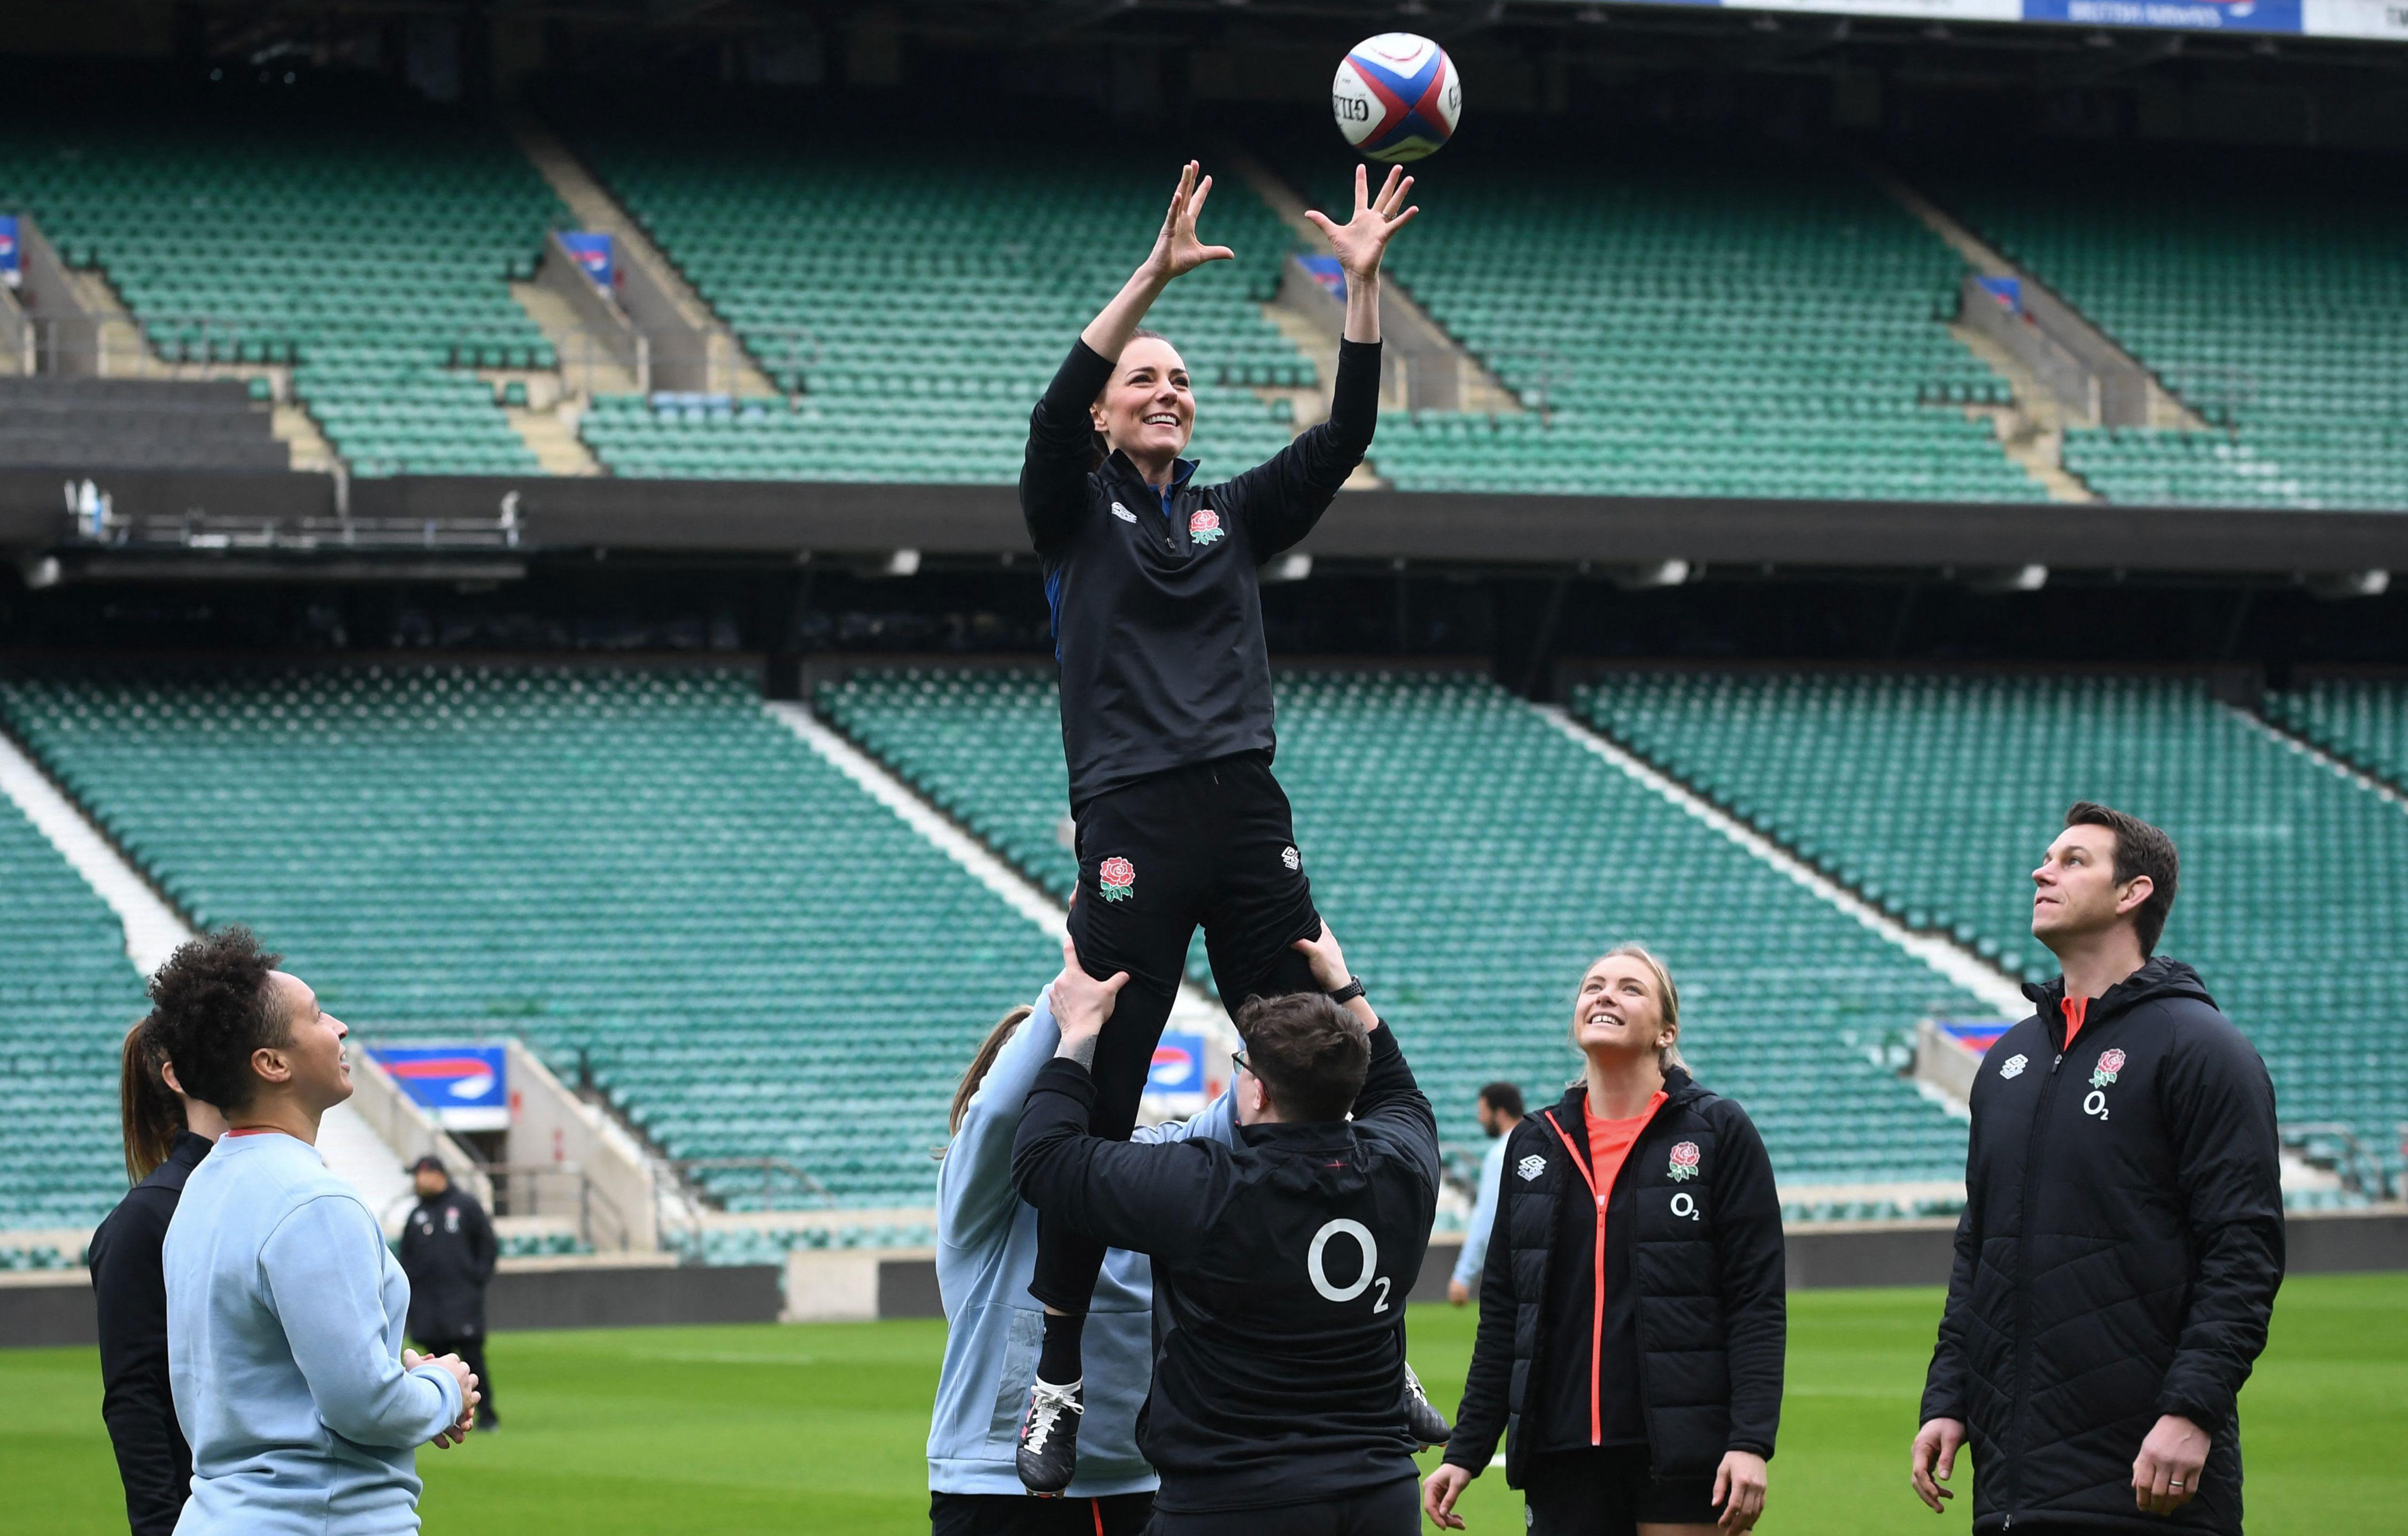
x=2184, y=1405
x=1753, y=1447
x=1063, y=1075
x=1384, y=1043
x=1355, y=398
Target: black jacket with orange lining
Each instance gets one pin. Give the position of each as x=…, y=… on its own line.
x=1696, y=1206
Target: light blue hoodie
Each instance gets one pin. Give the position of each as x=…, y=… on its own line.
x=284, y=1325
x=986, y=1255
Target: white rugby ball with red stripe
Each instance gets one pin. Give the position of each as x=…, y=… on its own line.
x=1397, y=96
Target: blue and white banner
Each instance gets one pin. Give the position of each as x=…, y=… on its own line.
x=2385, y=19
x=12, y=268
x=464, y=1088
x=1178, y=1065
x=592, y=253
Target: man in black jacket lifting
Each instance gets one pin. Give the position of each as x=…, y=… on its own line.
x=1281, y=1261
x=2122, y=1238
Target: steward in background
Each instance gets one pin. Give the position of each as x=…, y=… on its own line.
x=2122, y=1238
x=167, y=1136
x=1499, y=1110
x=448, y=1250
x=1633, y=1313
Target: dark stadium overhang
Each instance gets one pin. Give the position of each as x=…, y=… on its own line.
x=307, y=523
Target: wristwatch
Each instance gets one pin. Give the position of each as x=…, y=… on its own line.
x=1347, y=994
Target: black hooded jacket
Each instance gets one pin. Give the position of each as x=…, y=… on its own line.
x=129, y=1282
x=2118, y=1256
x=1693, y=1224
x=1158, y=608
x=448, y=1250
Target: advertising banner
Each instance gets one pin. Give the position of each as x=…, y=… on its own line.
x=1178, y=1065
x=12, y=270
x=464, y=1088
x=1977, y=1035
x=2187, y=15
x=2386, y=19
x=592, y=253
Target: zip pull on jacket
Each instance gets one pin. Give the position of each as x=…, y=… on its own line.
x=1608, y=1147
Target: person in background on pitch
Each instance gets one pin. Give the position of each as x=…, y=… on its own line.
x=986, y=1249
x=2122, y=1238
x=1154, y=583
x=1282, y=1259
x=167, y=1136
x=448, y=1252
x=1498, y=1109
x=1633, y=1313
x=284, y=1307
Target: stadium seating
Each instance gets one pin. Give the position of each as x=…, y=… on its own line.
x=1933, y=796
x=1474, y=860
x=2363, y=723
x=54, y=423
x=2267, y=292
x=644, y=874
x=351, y=230
x=67, y=996
x=919, y=299
x=1691, y=323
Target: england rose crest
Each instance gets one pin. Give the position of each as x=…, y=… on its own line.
x=1204, y=525
x=2109, y=1063
x=1684, y=1162
x=1117, y=878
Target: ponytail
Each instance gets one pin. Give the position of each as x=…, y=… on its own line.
x=153, y=1116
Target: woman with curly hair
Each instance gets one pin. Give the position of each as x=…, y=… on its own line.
x=285, y=1309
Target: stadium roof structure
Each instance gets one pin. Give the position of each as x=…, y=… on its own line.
x=168, y=524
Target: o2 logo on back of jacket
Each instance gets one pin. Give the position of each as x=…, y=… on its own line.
x=1362, y=1282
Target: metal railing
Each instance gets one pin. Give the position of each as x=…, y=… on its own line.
x=554, y=1190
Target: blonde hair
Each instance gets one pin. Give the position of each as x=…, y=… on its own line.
x=1667, y=1000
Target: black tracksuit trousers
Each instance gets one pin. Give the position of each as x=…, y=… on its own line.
x=1211, y=845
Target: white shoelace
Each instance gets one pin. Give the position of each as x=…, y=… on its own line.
x=1045, y=1411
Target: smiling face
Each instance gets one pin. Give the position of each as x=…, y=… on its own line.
x=1147, y=411
x=312, y=1065
x=1618, y=1010
x=2075, y=891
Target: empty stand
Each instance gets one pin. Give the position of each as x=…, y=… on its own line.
x=2266, y=291
x=1474, y=860
x=642, y=873
x=918, y=299
x=67, y=996
x=2363, y=722
x=1685, y=322
x=52, y=423
x=350, y=230
x=1934, y=797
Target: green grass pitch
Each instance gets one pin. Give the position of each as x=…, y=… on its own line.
x=725, y=1432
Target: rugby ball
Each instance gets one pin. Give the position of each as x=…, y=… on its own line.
x=1397, y=96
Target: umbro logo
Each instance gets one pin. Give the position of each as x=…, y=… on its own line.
x=1123, y=513
x=2015, y=1066
x=1531, y=1167
x=1289, y=856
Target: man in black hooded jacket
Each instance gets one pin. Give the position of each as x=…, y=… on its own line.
x=2122, y=1238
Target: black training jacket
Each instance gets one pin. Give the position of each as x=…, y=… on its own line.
x=1158, y=621
x=129, y=1284
x=1280, y=1266
x=448, y=1250
x=2118, y=1256
x=1694, y=1221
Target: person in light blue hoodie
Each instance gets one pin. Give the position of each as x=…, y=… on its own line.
x=986, y=1254
x=285, y=1310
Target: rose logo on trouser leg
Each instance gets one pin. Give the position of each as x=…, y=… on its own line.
x=1117, y=878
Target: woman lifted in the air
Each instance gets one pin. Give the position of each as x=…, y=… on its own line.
x=1167, y=695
